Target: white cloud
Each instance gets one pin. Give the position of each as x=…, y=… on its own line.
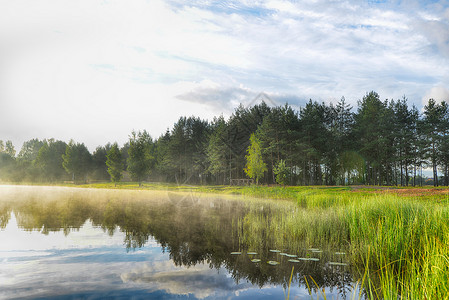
x=438, y=93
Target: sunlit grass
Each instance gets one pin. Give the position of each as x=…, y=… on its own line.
x=402, y=240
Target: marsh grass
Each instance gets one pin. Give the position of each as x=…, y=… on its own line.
x=409, y=246
x=401, y=243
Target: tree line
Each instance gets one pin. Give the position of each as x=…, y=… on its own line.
x=378, y=143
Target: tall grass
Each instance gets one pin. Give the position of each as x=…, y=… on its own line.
x=401, y=243
x=409, y=246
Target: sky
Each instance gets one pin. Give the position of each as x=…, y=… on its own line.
x=94, y=71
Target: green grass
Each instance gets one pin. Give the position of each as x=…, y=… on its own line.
x=405, y=243
x=402, y=240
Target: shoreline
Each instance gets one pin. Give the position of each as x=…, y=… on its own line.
x=273, y=192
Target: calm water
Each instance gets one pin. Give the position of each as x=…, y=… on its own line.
x=78, y=243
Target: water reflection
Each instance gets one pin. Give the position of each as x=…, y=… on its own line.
x=172, y=242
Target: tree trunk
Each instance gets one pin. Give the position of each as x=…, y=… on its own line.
x=414, y=175
x=407, y=177
x=304, y=174
x=446, y=179
x=435, y=174
x=421, y=173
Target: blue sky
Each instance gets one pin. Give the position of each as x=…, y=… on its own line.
x=95, y=70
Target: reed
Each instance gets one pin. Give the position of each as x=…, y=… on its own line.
x=402, y=243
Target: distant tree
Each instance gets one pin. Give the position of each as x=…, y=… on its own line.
x=114, y=163
x=217, y=150
x=25, y=169
x=30, y=150
x=163, y=165
x=2, y=146
x=242, y=123
x=370, y=121
x=140, y=159
x=255, y=167
x=9, y=149
x=77, y=161
x=432, y=124
x=315, y=139
x=8, y=163
x=341, y=130
x=125, y=155
x=352, y=167
x=49, y=160
x=402, y=146
x=99, y=168
x=281, y=172
x=444, y=143
x=187, y=149
x=7, y=166
x=278, y=134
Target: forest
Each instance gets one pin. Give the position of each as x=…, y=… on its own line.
x=380, y=142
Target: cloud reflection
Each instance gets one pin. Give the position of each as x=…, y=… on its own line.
x=200, y=280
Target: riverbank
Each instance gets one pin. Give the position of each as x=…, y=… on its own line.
x=438, y=194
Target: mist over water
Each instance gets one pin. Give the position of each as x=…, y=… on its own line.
x=68, y=242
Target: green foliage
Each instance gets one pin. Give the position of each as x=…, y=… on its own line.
x=7, y=167
x=186, y=155
x=115, y=163
x=140, y=159
x=281, y=172
x=435, y=126
x=99, y=167
x=352, y=167
x=217, y=150
x=314, y=136
x=9, y=149
x=77, y=161
x=49, y=160
x=10, y=168
x=255, y=167
x=30, y=150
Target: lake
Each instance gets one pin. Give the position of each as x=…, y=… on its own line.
x=67, y=243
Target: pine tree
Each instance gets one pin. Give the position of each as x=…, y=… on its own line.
x=217, y=150
x=433, y=116
x=9, y=149
x=49, y=160
x=369, y=134
x=115, y=163
x=140, y=159
x=77, y=160
x=99, y=167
